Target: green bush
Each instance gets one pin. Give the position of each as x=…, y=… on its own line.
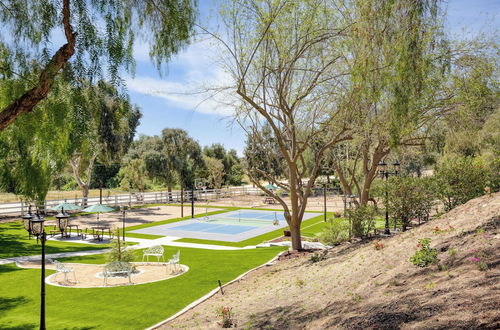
x=426, y=255
x=336, y=231
x=460, y=179
x=119, y=251
x=410, y=198
x=362, y=219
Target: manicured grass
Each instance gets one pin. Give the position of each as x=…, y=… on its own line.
x=125, y=307
x=254, y=240
x=14, y=242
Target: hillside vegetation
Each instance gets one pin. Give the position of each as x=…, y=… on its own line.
x=357, y=286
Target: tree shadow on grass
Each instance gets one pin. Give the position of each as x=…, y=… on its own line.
x=10, y=303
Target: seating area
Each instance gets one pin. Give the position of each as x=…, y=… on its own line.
x=154, y=251
x=117, y=268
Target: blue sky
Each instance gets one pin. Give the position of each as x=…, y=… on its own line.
x=170, y=101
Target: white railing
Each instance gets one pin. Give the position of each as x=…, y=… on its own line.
x=135, y=198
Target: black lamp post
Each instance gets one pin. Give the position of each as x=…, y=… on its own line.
x=62, y=221
x=324, y=199
x=27, y=221
x=344, y=199
x=38, y=230
x=384, y=174
x=124, y=210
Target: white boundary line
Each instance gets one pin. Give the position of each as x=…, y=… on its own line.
x=212, y=293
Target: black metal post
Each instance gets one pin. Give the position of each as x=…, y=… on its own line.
x=100, y=193
x=123, y=224
x=387, y=230
x=192, y=202
x=42, y=293
x=324, y=199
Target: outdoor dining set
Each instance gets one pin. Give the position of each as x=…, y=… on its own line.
x=65, y=228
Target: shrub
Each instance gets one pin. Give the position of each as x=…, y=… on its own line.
x=378, y=245
x=459, y=179
x=316, y=257
x=336, y=231
x=362, y=219
x=409, y=198
x=119, y=251
x=426, y=255
x=227, y=318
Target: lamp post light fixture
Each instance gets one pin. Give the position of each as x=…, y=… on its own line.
x=38, y=230
x=27, y=221
x=62, y=221
x=384, y=174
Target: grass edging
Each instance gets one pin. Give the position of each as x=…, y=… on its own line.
x=211, y=294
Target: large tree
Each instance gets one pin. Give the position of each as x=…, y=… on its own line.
x=98, y=39
x=398, y=58
x=287, y=64
x=105, y=129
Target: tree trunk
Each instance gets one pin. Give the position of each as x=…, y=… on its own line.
x=27, y=102
x=169, y=189
x=85, y=194
x=295, y=234
x=294, y=201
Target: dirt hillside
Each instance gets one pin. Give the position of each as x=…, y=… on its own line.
x=359, y=287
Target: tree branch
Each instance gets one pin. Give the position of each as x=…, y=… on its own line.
x=27, y=102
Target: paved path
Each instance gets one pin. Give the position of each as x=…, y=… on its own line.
x=143, y=243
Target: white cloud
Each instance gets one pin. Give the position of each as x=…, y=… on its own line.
x=194, y=87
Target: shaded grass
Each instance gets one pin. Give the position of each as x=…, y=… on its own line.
x=14, y=242
x=126, y=307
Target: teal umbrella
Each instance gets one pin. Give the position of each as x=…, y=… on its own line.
x=97, y=208
x=66, y=206
x=271, y=187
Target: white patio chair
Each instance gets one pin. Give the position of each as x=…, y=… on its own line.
x=156, y=251
x=175, y=260
x=62, y=268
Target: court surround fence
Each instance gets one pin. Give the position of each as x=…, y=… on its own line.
x=141, y=198
x=136, y=198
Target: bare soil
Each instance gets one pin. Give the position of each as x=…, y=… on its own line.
x=356, y=286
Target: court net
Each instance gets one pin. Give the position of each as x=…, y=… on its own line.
x=241, y=221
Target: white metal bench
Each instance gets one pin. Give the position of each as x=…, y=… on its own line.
x=117, y=268
x=155, y=251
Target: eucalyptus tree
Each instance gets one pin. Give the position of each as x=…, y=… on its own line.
x=105, y=129
x=230, y=160
x=287, y=66
x=98, y=40
x=184, y=155
x=399, y=59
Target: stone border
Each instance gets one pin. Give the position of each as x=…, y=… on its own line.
x=212, y=293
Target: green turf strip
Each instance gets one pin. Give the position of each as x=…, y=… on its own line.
x=14, y=242
x=126, y=307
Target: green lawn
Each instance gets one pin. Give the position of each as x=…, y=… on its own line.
x=14, y=242
x=126, y=307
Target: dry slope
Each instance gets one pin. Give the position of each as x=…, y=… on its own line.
x=359, y=287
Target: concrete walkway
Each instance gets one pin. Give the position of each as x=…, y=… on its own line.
x=142, y=244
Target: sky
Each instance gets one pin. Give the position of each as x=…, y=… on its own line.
x=170, y=100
